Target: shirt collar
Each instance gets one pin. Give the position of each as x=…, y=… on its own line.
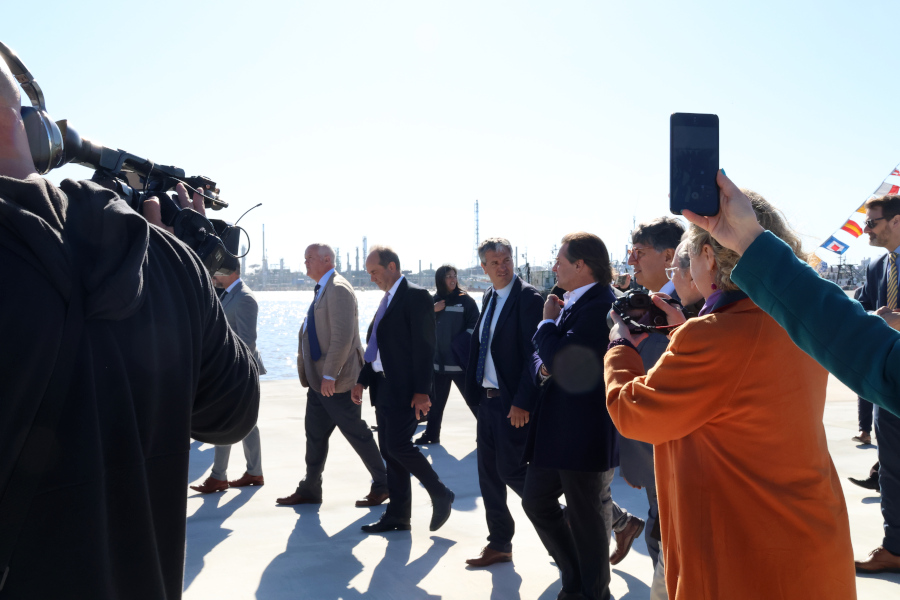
x=231, y=287
x=325, y=277
x=394, y=287
x=573, y=296
x=504, y=292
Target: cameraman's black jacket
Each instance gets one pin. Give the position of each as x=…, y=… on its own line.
x=157, y=364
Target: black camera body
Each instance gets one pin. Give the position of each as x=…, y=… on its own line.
x=134, y=179
x=639, y=313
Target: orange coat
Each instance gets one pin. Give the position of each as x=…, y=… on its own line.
x=750, y=504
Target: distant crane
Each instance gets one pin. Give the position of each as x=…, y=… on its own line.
x=475, y=259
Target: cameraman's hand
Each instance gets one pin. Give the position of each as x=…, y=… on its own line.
x=196, y=203
x=674, y=316
x=735, y=227
x=153, y=213
x=620, y=331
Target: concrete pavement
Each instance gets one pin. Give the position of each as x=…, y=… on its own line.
x=241, y=545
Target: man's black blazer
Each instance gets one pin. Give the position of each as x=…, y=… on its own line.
x=511, y=347
x=571, y=428
x=406, y=343
x=874, y=291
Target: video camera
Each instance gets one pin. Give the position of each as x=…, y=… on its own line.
x=640, y=314
x=134, y=179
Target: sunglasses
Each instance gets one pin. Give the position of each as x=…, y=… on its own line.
x=870, y=223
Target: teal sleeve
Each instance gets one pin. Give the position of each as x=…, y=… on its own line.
x=859, y=349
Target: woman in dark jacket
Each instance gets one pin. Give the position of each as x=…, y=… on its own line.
x=455, y=315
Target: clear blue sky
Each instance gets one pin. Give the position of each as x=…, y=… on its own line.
x=389, y=119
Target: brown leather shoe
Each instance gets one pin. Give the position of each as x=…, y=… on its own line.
x=489, y=557
x=297, y=498
x=880, y=560
x=633, y=528
x=372, y=499
x=211, y=485
x=864, y=437
x=247, y=479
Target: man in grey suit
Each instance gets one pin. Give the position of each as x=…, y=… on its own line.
x=329, y=359
x=241, y=311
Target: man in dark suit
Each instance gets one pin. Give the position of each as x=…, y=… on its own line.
x=881, y=292
x=500, y=382
x=241, y=311
x=572, y=447
x=399, y=369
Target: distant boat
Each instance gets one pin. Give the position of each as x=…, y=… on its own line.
x=476, y=284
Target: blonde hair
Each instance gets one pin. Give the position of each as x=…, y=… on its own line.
x=768, y=216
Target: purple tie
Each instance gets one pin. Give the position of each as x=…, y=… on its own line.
x=372, y=347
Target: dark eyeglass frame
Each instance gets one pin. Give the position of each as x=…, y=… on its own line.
x=870, y=223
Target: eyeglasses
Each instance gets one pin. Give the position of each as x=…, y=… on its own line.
x=870, y=223
x=670, y=272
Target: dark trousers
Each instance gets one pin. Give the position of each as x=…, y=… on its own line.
x=439, y=395
x=887, y=429
x=864, y=413
x=577, y=538
x=402, y=458
x=500, y=450
x=322, y=416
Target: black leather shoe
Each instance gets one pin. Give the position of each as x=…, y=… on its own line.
x=386, y=523
x=441, y=509
x=424, y=440
x=870, y=483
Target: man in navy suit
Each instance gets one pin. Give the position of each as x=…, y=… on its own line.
x=881, y=292
x=572, y=447
x=399, y=370
x=500, y=383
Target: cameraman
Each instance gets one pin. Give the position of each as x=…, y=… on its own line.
x=115, y=353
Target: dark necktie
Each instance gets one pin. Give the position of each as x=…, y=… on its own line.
x=892, y=281
x=485, y=338
x=314, y=351
x=372, y=347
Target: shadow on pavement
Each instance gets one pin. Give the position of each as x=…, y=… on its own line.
x=637, y=589
x=200, y=544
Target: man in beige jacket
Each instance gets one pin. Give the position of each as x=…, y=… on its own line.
x=329, y=359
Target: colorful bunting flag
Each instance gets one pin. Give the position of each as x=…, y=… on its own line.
x=835, y=245
x=853, y=228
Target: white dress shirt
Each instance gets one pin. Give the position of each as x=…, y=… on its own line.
x=490, y=372
x=322, y=283
x=376, y=364
x=569, y=299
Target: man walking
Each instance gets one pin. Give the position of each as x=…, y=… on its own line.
x=399, y=369
x=881, y=290
x=500, y=382
x=329, y=359
x=241, y=311
x=572, y=446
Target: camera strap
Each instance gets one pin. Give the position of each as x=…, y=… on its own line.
x=32, y=460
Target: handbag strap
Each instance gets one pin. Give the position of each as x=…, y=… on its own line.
x=29, y=468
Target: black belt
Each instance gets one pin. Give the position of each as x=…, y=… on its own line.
x=491, y=392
